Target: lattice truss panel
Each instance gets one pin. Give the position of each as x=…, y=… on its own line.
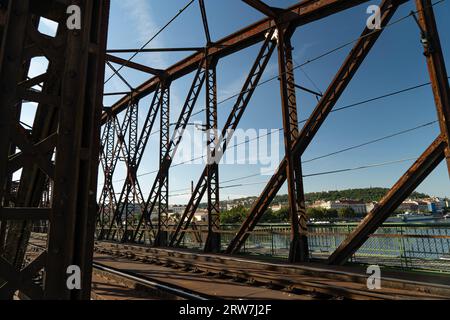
x=274, y=34
x=48, y=167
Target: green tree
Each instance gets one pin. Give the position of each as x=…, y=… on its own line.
x=345, y=213
x=331, y=213
x=283, y=215
x=278, y=216
x=235, y=215
x=315, y=213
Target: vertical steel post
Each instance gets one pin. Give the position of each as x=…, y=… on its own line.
x=212, y=140
x=298, y=250
x=72, y=217
x=163, y=208
x=132, y=198
x=107, y=201
x=90, y=146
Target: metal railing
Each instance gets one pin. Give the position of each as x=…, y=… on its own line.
x=424, y=246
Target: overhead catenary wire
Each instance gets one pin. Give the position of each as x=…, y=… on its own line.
x=152, y=38
x=326, y=53
x=342, y=150
x=320, y=56
x=334, y=110
x=367, y=166
x=361, y=167
x=352, y=105
x=331, y=154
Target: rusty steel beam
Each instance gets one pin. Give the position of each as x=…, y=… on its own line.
x=300, y=14
x=263, y=8
x=122, y=93
x=155, y=50
x=132, y=151
x=120, y=147
x=318, y=116
x=27, y=191
x=107, y=202
x=73, y=213
x=134, y=65
x=298, y=249
x=436, y=69
x=427, y=162
x=164, y=148
x=212, y=243
x=70, y=100
x=10, y=61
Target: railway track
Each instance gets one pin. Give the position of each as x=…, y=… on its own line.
x=132, y=266
x=135, y=285
x=320, y=283
x=154, y=288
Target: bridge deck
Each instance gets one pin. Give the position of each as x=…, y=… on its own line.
x=196, y=282
x=211, y=274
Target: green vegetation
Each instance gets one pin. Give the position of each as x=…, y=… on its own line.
x=319, y=213
x=270, y=216
x=364, y=194
x=235, y=215
x=347, y=213
x=239, y=213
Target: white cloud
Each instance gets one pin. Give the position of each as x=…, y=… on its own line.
x=143, y=22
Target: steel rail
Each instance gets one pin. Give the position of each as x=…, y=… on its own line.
x=152, y=283
x=235, y=267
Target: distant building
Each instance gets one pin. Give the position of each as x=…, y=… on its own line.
x=276, y=207
x=409, y=205
x=201, y=215
x=423, y=205
x=439, y=203
x=357, y=206
x=432, y=207
x=178, y=209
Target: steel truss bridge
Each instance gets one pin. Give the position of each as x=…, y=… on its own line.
x=74, y=137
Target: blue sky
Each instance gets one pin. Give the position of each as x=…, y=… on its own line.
x=396, y=62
